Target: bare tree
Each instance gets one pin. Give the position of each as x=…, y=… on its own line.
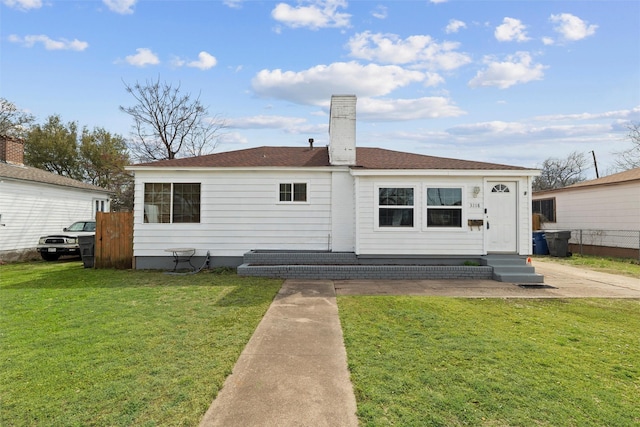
x=558, y=173
x=630, y=159
x=13, y=122
x=169, y=124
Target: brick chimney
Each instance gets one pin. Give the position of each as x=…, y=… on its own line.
x=11, y=150
x=342, y=130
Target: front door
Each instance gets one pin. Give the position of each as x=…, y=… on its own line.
x=501, y=217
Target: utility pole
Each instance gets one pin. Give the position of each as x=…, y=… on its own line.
x=595, y=163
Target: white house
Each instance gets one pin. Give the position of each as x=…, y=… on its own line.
x=603, y=213
x=34, y=202
x=365, y=201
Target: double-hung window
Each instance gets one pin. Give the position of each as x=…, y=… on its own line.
x=293, y=192
x=444, y=207
x=171, y=202
x=395, y=207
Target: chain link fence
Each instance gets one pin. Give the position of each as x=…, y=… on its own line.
x=614, y=243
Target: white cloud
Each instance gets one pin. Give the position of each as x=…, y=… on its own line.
x=178, y=62
x=265, y=122
x=143, y=58
x=124, y=7
x=633, y=114
x=317, y=14
x=433, y=79
x=232, y=138
x=290, y=125
x=205, y=61
x=315, y=85
x=370, y=109
x=511, y=30
x=572, y=28
x=48, y=43
x=234, y=4
x=518, y=68
x=380, y=12
x=548, y=41
x=23, y=4
x=454, y=26
x=391, y=49
x=527, y=131
x=492, y=127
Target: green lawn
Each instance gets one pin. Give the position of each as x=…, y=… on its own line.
x=428, y=361
x=84, y=347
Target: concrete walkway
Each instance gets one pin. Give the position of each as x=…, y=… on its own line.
x=293, y=371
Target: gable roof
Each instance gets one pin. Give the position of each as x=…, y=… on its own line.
x=617, y=178
x=366, y=158
x=27, y=173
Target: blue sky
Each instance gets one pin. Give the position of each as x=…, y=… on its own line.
x=511, y=82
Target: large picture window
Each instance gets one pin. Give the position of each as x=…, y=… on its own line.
x=171, y=203
x=444, y=207
x=546, y=208
x=293, y=192
x=395, y=207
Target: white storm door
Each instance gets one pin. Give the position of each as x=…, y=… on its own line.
x=502, y=222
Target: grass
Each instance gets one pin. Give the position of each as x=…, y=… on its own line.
x=425, y=361
x=84, y=347
x=621, y=266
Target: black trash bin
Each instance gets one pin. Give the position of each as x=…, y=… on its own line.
x=540, y=243
x=558, y=242
x=87, y=244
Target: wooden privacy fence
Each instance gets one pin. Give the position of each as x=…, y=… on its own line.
x=114, y=240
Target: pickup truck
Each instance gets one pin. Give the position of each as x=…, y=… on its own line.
x=54, y=246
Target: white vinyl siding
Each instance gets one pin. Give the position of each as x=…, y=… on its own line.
x=240, y=211
x=605, y=207
x=419, y=240
x=424, y=240
x=343, y=212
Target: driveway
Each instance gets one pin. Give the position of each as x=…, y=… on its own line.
x=560, y=281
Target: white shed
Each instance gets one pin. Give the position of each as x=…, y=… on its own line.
x=34, y=202
x=366, y=201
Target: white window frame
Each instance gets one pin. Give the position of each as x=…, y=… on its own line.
x=293, y=182
x=463, y=210
x=378, y=206
x=100, y=205
x=171, y=202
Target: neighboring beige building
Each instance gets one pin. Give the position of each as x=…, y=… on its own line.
x=605, y=212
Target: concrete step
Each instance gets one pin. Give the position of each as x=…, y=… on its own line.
x=518, y=278
x=522, y=269
x=505, y=260
x=387, y=272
